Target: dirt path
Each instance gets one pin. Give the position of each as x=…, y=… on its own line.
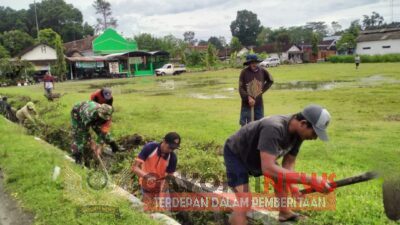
x=10, y=212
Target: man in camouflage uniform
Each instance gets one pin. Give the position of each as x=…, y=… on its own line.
x=97, y=116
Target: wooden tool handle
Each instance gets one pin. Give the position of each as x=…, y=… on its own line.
x=346, y=181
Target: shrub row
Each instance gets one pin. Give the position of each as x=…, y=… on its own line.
x=365, y=58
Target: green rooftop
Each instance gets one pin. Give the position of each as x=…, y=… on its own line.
x=111, y=42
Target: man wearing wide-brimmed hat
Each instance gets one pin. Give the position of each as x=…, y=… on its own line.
x=253, y=82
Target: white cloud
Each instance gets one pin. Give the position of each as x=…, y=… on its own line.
x=213, y=17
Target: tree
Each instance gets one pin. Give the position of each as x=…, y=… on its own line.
x=262, y=37
x=211, y=56
x=87, y=30
x=348, y=42
x=147, y=42
x=188, y=37
x=300, y=35
x=216, y=42
x=202, y=42
x=246, y=27
x=222, y=40
x=16, y=70
x=374, y=21
x=391, y=25
x=194, y=58
x=48, y=37
x=52, y=39
x=280, y=38
x=235, y=44
x=314, y=44
x=60, y=68
x=175, y=46
x=336, y=27
x=282, y=41
x=3, y=52
x=103, y=8
x=233, y=59
x=354, y=28
x=15, y=41
x=319, y=27
x=12, y=19
x=61, y=17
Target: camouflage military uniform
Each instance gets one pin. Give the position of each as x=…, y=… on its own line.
x=83, y=116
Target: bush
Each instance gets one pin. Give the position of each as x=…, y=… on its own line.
x=365, y=58
x=194, y=58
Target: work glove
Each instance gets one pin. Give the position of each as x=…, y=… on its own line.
x=114, y=147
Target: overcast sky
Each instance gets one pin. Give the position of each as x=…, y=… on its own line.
x=213, y=17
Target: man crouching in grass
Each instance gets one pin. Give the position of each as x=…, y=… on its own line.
x=255, y=148
x=154, y=163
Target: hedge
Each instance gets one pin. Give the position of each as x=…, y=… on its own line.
x=365, y=58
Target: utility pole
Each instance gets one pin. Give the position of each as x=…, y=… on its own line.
x=37, y=24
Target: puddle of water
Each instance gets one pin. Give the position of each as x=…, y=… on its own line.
x=167, y=84
x=329, y=85
x=229, y=89
x=206, y=83
x=161, y=94
x=189, y=84
x=98, y=86
x=203, y=96
x=378, y=79
x=306, y=85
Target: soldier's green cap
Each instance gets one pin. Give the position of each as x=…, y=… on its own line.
x=105, y=111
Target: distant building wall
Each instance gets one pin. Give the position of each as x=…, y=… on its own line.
x=378, y=47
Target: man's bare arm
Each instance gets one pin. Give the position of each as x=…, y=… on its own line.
x=289, y=162
x=137, y=170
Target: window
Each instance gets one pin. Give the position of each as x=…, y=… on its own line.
x=386, y=46
x=366, y=48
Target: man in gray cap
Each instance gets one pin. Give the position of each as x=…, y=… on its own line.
x=256, y=147
x=102, y=96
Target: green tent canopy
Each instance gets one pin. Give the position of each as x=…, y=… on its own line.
x=111, y=42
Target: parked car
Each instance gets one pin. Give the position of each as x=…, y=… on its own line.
x=170, y=69
x=270, y=62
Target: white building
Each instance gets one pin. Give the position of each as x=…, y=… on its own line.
x=289, y=53
x=40, y=55
x=379, y=42
x=242, y=52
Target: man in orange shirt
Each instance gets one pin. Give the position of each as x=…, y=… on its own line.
x=155, y=162
x=102, y=96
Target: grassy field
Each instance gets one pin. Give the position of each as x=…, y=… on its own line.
x=204, y=109
x=28, y=165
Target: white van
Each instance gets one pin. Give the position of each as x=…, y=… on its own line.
x=270, y=62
